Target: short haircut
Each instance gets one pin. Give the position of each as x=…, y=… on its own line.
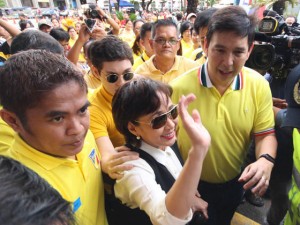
x=109, y=49
x=60, y=34
x=28, y=76
x=136, y=21
x=232, y=19
x=35, y=39
x=162, y=23
x=137, y=98
x=146, y=27
x=27, y=199
x=203, y=18
x=186, y=25
x=178, y=16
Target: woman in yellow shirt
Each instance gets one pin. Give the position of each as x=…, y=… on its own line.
x=127, y=34
x=186, y=37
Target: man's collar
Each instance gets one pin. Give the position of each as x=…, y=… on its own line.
x=205, y=81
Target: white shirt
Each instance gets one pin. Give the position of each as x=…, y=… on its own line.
x=138, y=187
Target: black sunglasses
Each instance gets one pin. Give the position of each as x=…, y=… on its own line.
x=112, y=78
x=161, y=120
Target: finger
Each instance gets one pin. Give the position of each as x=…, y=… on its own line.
x=120, y=160
x=122, y=148
x=261, y=186
x=196, y=116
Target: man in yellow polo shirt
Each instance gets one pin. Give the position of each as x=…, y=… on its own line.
x=44, y=99
x=112, y=61
x=165, y=65
x=292, y=120
x=235, y=103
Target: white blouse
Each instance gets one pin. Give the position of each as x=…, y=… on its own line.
x=138, y=187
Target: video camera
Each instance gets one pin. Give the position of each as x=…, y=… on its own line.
x=91, y=12
x=280, y=50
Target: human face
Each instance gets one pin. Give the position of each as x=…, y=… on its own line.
x=202, y=35
x=158, y=138
x=55, y=23
x=186, y=35
x=65, y=45
x=129, y=25
x=72, y=33
x=146, y=44
x=289, y=21
x=45, y=28
x=77, y=27
x=226, y=58
x=196, y=39
x=116, y=67
x=59, y=123
x=137, y=28
x=165, y=51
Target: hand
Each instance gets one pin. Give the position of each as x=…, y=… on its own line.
x=84, y=34
x=280, y=103
x=201, y=206
x=196, y=131
x=257, y=176
x=115, y=165
x=98, y=33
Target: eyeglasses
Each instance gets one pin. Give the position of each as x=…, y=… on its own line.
x=164, y=41
x=161, y=120
x=112, y=78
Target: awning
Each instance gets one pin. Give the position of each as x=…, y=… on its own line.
x=123, y=4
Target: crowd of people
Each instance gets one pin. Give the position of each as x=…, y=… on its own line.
x=143, y=122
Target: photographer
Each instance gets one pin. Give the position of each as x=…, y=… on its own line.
x=95, y=12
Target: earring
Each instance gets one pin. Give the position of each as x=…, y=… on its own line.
x=138, y=137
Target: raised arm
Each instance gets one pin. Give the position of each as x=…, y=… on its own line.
x=180, y=198
x=109, y=20
x=10, y=28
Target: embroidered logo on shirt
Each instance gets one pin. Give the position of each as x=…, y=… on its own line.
x=95, y=158
x=76, y=204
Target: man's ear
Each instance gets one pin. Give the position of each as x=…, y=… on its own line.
x=205, y=49
x=132, y=129
x=12, y=120
x=95, y=71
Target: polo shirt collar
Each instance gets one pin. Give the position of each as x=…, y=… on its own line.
x=174, y=67
x=46, y=161
x=205, y=81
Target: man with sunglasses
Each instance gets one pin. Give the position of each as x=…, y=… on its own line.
x=112, y=62
x=165, y=64
x=235, y=104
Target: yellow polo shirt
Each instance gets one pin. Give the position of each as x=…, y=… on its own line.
x=6, y=135
x=181, y=65
x=92, y=81
x=187, y=47
x=244, y=109
x=78, y=181
x=140, y=60
x=102, y=123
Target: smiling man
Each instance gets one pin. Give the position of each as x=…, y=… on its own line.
x=165, y=65
x=236, y=103
x=44, y=99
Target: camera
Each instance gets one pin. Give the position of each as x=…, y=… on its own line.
x=92, y=13
x=280, y=48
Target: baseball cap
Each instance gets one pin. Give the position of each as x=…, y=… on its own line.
x=191, y=15
x=292, y=96
x=45, y=22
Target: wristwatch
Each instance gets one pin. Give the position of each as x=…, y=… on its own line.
x=267, y=157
